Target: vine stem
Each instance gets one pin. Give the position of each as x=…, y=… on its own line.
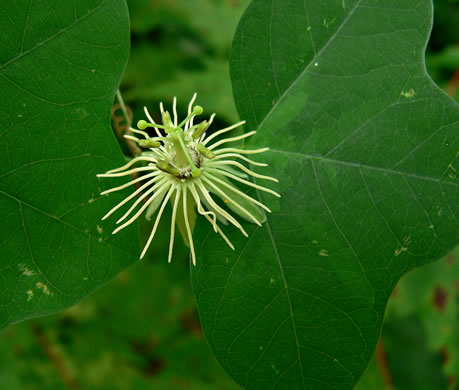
x=56, y=359
x=132, y=146
x=123, y=107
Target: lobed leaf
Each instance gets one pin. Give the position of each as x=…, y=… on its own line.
x=60, y=65
x=364, y=145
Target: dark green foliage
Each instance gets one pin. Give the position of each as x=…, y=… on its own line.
x=363, y=143
x=61, y=64
x=142, y=331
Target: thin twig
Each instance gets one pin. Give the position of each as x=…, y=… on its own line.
x=123, y=108
x=53, y=355
x=121, y=130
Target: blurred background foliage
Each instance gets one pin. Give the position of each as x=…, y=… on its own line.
x=141, y=331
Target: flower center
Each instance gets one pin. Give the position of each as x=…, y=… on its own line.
x=178, y=160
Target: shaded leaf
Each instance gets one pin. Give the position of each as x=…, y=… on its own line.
x=60, y=65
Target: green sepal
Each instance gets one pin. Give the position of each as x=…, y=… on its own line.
x=153, y=207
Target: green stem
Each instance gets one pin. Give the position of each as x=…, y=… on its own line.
x=123, y=107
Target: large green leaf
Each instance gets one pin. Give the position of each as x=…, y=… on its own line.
x=364, y=145
x=60, y=65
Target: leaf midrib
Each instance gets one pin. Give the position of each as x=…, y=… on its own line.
x=306, y=68
x=361, y=166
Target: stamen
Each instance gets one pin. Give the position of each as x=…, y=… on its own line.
x=160, y=213
x=222, y=131
x=187, y=224
x=233, y=139
x=200, y=130
x=204, y=151
x=149, y=143
x=167, y=121
x=243, y=168
x=167, y=167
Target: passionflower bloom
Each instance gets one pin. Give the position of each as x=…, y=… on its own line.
x=183, y=166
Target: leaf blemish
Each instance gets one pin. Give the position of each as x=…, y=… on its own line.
x=25, y=271
x=316, y=64
x=29, y=295
x=323, y=252
x=408, y=94
x=91, y=200
x=99, y=229
x=44, y=288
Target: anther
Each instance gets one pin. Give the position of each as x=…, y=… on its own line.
x=167, y=121
x=201, y=128
x=167, y=167
x=206, y=152
x=149, y=143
